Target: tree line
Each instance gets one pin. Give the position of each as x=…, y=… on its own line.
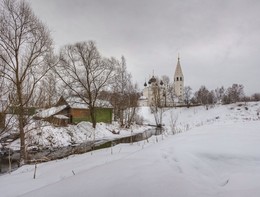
x=232, y=94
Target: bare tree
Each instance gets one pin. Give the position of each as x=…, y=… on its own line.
x=219, y=93
x=47, y=92
x=4, y=91
x=187, y=95
x=204, y=96
x=201, y=95
x=166, y=81
x=82, y=69
x=157, y=104
x=120, y=87
x=131, y=110
x=170, y=94
x=124, y=95
x=256, y=97
x=24, y=42
x=234, y=94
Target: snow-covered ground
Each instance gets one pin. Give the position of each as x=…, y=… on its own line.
x=187, y=118
x=217, y=156
x=43, y=134
x=46, y=135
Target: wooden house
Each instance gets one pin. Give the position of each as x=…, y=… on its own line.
x=73, y=110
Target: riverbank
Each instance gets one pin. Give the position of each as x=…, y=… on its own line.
x=48, y=154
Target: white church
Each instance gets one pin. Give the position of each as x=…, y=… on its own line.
x=156, y=91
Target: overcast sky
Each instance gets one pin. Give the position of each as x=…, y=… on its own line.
x=218, y=40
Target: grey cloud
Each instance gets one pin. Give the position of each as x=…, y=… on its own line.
x=218, y=40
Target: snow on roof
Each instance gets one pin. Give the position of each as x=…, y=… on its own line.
x=103, y=103
x=76, y=102
x=50, y=112
x=61, y=116
x=143, y=98
x=79, y=103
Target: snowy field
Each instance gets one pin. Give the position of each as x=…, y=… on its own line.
x=216, y=153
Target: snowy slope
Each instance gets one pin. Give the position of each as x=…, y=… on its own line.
x=49, y=136
x=187, y=118
x=218, y=157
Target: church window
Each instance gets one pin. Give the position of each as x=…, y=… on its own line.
x=177, y=78
x=180, y=78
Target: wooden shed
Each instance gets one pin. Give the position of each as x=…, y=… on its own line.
x=78, y=110
x=58, y=116
x=73, y=110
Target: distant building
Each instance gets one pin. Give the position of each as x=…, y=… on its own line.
x=178, y=82
x=153, y=91
x=157, y=87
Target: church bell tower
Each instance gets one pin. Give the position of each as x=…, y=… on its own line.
x=178, y=82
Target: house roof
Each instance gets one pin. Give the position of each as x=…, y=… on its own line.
x=103, y=103
x=50, y=112
x=78, y=103
x=61, y=117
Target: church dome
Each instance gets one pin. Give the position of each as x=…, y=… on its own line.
x=161, y=83
x=152, y=80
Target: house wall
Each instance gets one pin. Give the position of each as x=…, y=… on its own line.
x=57, y=122
x=60, y=122
x=102, y=115
x=79, y=115
x=66, y=112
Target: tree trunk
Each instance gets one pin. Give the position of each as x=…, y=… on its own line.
x=22, y=140
x=121, y=117
x=93, y=116
x=21, y=120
